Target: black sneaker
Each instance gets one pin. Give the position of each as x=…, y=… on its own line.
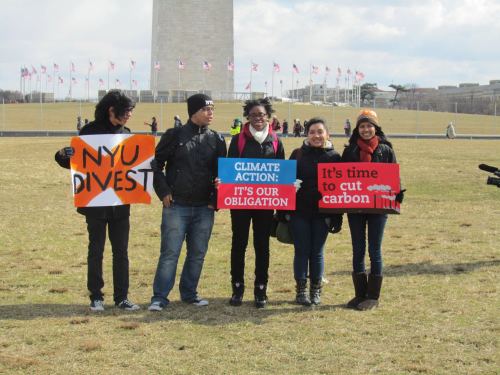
x=260, y=296
x=237, y=297
x=127, y=305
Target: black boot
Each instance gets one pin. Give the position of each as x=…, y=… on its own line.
x=360, y=281
x=301, y=289
x=315, y=292
x=372, y=294
x=260, y=295
x=237, y=297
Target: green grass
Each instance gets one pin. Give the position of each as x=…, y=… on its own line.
x=439, y=302
x=62, y=116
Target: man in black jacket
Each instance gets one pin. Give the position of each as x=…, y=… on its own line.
x=111, y=114
x=189, y=156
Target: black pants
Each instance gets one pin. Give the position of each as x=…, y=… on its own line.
x=240, y=225
x=118, y=236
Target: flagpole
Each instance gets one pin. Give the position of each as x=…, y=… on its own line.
x=70, y=83
x=53, y=83
x=310, y=82
x=293, y=78
x=272, y=83
x=251, y=88
x=108, y=76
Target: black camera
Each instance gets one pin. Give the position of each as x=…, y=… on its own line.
x=491, y=180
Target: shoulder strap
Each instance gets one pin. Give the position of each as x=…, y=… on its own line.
x=242, y=140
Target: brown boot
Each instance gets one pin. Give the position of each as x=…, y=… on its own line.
x=372, y=294
x=360, y=281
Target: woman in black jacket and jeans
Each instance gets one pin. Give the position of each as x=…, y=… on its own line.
x=368, y=144
x=256, y=140
x=309, y=227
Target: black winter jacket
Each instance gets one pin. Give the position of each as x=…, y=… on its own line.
x=255, y=150
x=308, y=158
x=189, y=156
x=105, y=212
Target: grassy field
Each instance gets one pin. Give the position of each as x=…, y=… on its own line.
x=439, y=302
x=62, y=116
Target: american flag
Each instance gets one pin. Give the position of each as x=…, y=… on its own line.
x=33, y=70
x=101, y=82
x=43, y=69
x=295, y=68
x=315, y=69
x=230, y=66
x=348, y=72
x=327, y=69
x=339, y=71
x=157, y=65
x=49, y=78
x=360, y=76
x=134, y=82
x=248, y=86
x=132, y=64
x=73, y=80
x=181, y=65
x=60, y=80
x=117, y=82
x=276, y=67
x=281, y=81
x=72, y=66
x=56, y=67
x=255, y=67
x=111, y=65
x=207, y=66
x=25, y=72
x=91, y=66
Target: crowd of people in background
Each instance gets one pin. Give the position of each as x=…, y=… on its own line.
x=186, y=186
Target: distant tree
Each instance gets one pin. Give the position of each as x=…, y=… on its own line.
x=398, y=88
x=368, y=91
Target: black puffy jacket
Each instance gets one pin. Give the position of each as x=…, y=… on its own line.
x=92, y=128
x=189, y=156
x=382, y=154
x=308, y=158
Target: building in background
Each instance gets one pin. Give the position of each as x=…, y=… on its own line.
x=192, y=49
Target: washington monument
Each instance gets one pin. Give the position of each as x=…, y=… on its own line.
x=192, y=45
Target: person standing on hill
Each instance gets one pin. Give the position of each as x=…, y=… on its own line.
x=153, y=125
x=257, y=141
x=111, y=114
x=185, y=168
x=368, y=144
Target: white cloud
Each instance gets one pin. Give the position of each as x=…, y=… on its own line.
x=428, y=42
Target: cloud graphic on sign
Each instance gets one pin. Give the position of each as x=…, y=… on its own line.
x=389, y=197
x=379, y=188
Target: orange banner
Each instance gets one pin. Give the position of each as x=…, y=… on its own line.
x=112, y=169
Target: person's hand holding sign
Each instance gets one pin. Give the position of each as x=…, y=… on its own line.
x=66, y=152
x=167, y=200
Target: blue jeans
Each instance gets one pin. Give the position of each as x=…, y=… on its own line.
x=309, y=237
x=376, y=225
x=178, y=223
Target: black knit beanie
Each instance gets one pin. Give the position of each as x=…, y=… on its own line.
x=197, y=102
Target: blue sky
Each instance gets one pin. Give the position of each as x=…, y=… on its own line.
x=426, y=42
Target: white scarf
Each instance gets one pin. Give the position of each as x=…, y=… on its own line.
x=259, y=135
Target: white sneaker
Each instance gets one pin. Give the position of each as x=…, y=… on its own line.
x=156, y=306
x=128, y=305
x=97, y=305
x=199, y=302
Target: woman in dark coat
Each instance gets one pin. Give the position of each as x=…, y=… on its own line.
x=257, y=140
x=309, y=227
x=368, y=144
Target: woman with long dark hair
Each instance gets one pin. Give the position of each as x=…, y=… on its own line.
x=310, y=228
x=369, y=144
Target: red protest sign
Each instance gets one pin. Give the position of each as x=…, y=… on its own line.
x=359, y=187
x=112, y=169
